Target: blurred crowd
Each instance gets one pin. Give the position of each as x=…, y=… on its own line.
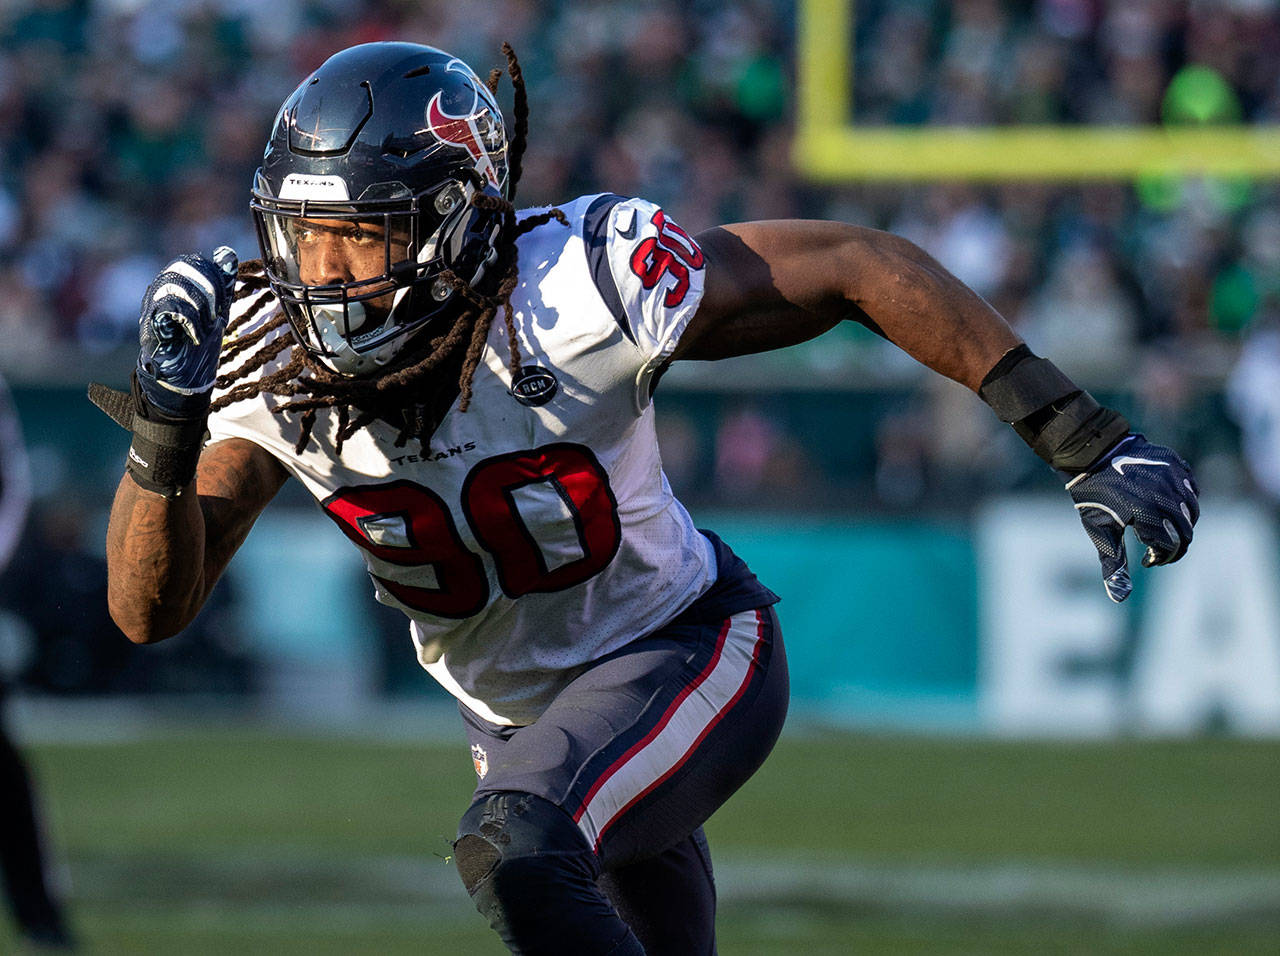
x=130, y=129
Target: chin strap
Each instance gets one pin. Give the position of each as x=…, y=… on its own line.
x=165, y=450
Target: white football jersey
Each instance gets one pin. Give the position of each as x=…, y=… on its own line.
x=539, y=533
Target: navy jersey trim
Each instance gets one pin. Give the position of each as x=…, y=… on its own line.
x=595, y=233
x=736, y=589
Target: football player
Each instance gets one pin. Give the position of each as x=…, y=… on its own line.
x=36, y=909
x=467, y=390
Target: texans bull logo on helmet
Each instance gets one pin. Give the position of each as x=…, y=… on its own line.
x=474, y=130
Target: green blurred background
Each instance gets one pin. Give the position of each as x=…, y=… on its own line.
x=226, y=841
x=984, y=755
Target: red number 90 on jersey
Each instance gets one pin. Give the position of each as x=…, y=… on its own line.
x=547, y=516
x=672, y=252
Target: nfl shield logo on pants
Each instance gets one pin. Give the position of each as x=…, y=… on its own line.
x=480, y=760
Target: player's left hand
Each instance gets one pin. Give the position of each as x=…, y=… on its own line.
x=1140, y=484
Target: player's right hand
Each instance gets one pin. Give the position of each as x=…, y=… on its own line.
x=184, y=313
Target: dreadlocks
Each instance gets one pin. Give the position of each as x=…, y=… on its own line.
x=396, y=395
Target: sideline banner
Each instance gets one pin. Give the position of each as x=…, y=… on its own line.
x=1001, y=626
x=1196, y=649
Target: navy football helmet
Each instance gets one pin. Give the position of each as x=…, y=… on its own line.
x=364, y=198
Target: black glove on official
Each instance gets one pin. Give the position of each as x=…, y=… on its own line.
x=1140, y=484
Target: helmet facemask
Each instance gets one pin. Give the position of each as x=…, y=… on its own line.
x=359, y=280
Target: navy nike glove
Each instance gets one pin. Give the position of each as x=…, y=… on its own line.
x=184, y=313
x=1140, y=484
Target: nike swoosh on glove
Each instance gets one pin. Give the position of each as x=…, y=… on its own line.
x=184, y=312
x=1140, y=484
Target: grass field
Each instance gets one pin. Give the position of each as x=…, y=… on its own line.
x=251, y=842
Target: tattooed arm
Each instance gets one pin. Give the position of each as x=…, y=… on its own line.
x=164, y=555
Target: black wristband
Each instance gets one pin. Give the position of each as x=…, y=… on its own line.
x=1078, y=434
x=1022, y=383
x=165, y=449
x=1061, y=422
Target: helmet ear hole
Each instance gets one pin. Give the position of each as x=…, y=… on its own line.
x=449, y=198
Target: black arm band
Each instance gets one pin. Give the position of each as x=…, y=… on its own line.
x=165, y=450
x=1022, y=383
x=1061, y=422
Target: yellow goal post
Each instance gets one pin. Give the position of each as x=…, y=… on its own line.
x=831, y=147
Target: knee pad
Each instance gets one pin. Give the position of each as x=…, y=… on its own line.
x=532, y=874
x=514, y=832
